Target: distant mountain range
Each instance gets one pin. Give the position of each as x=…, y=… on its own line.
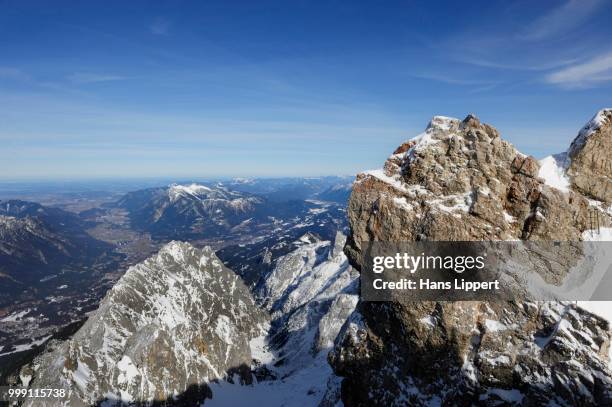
x=196, y=211
x=288, y=189
x=38, y=243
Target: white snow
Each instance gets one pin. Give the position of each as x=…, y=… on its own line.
x=601, y=308
x=576, y=284
x=14, y=317
x=260, y=349
x=81, y=375
x=306, y=387
x=436, y=125
x=453, y=203
x=428, y=320
x=553, y=171
x=176, y=191
x=494, y=326
x=589, y=129
x=127, y=373
x=509, y=218
x=601, y=235
x=315, y=273
x=396, y=183
x=443, y=123
x=224, y=329
x=402, y=203
x=602, y=206
x=27, y=346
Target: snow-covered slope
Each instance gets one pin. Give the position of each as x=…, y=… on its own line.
x=553, y=169
x=194, y=211
x=212, y=199
x=38, y=243
x=310, y=293
x=176, y=320
x=180, y=211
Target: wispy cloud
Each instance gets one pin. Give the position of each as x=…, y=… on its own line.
x=561, y=19
x=534, y=66
x=587, y=74
x=84, y=78
x=13, y=73
x=160, y=26
x=451, y=80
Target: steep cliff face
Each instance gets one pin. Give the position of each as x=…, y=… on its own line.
x=591, y=162
x=176, y=320
x=309, y=293
x=460, y=181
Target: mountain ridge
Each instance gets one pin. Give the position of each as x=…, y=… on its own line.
x=460, y=181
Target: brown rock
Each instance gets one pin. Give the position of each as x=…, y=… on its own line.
x=461, y=181
x=591, y=160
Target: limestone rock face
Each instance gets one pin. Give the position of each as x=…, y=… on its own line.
x=176, y=321
x=460, y=181
x=591, y=159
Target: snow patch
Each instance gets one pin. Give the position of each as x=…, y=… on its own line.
x=594, y=235
x=600, y=119
x=553, y=170
x=176, y=191
x=495, y=326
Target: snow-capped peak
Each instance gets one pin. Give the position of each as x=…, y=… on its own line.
x=176, y=319
x=604, y=116
x=176, y=191
x=443, y=123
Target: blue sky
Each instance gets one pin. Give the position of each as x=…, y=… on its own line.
x=208, y=89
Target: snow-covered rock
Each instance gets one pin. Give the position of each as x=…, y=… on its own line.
x=176, y=320
x=590, y=168
x=309, y=293
x=601, y=118
x=459, y=181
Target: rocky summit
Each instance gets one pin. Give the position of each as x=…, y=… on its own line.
x=172, y=323
x=460, y=181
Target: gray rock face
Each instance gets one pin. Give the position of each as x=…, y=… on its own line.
x=591, y=162
x=460, y=181
x=310, y=292
x=309, y=295
x=178, y=319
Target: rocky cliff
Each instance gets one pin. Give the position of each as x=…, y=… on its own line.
x=309, y=293
x=172, y=323
x=460, y=181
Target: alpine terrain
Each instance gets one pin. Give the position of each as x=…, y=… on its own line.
x=171, y=324
x=181, y=328
x=460, y=181
x=197, y=211
x=36, y=242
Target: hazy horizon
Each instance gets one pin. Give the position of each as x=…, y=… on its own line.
x=218, y=89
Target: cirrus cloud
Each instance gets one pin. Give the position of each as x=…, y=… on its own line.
x=84, y=78
x=586, y=74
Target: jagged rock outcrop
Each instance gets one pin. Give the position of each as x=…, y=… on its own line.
x=309, y=294
x=460, y=181
x=176, y=321
x=591, y=159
